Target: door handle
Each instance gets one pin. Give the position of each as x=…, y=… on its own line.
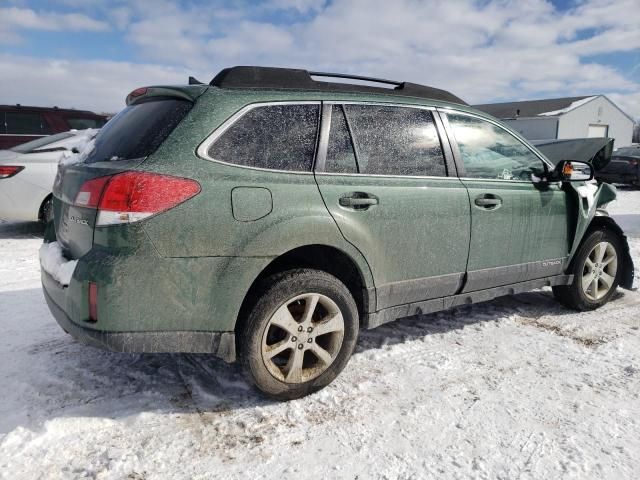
x=488, y=201
x=358, y=200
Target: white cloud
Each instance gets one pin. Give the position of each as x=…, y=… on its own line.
x=482, y=51
x=14, y=18
x=95, y=85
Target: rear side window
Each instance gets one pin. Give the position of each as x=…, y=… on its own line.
x=395, y=140
x=138, y=130
x=279, y=137
x=25, y=123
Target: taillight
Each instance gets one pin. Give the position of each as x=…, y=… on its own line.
x=8, y=171
x=93, y=302
x=633, y=162
x=89, y=194
x=131, y=196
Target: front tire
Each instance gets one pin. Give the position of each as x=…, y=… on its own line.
x=300, y=333
x=596, y=269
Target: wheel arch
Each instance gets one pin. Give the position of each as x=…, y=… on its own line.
x=329, y=259
x=602, y=221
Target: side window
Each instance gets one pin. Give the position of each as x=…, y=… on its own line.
x=82, y=123
x=395, y=140
x=491, y=152
x=340, y=155
x=280, y=137
x=26, y=123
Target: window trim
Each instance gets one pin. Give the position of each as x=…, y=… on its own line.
x=449, y=164
x=202, y=150
x=456, y=149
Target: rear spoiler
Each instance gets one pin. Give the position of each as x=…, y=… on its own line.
x=182, y=92
x=596, y=151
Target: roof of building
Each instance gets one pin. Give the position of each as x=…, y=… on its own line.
x=534, y=108
x=296, y=79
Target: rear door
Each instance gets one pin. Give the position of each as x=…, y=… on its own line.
x=383, y=175
x=520, y=230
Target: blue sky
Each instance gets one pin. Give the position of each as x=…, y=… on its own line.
x=90, y=53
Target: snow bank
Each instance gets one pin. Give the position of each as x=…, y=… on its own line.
x=566, y=109
x=53, y=262
x=85, y=145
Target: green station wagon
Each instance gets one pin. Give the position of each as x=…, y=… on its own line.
x=270, y=215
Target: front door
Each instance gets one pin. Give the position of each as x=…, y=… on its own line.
x=520, y=230
x=383, y=177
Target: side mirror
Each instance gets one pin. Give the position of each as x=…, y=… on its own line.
x=573, y=171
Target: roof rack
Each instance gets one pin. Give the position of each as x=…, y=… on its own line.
x=297, y=79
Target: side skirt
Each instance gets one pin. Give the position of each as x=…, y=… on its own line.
x=387, y=315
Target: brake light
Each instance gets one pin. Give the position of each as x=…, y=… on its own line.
x=132, y=196
x=8, y=171
x=633, y=162
x=93, y=302
x=138, y=92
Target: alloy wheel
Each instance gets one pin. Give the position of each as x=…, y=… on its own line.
x=599, y=271
x=303, y=338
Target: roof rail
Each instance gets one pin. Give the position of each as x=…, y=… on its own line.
x=355, y=77
x=297, y=79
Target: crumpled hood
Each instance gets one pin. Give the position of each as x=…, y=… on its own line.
x=596, y=151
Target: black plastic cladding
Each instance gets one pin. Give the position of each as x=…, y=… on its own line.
x=296, y=79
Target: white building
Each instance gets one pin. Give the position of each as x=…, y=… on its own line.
x=560, y=118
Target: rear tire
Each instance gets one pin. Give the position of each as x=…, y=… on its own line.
x=596, y=269
x=299, y=334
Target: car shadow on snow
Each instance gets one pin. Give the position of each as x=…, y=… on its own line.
x=50, y=375
x=9, y=230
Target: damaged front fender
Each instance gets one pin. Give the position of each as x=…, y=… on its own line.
x=591, y=198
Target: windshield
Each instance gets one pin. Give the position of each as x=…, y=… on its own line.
x=41, y=142
x=138, y=130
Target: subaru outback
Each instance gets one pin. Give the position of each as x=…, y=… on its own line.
x=270, y=215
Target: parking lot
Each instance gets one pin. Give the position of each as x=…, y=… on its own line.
x=519, y=387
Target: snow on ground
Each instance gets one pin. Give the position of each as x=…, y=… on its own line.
x=627, y=203
x=519, y=387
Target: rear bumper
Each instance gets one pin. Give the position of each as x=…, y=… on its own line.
x=221, y=344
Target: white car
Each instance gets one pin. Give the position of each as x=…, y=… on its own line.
x=27, y=173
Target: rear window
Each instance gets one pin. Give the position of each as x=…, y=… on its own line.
x=138, y=130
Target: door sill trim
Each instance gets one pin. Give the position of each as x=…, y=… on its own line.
x=387, y=315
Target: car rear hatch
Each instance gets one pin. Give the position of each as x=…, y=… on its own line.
x=120, y=146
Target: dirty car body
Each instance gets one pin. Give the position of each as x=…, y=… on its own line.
x=180, y=230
